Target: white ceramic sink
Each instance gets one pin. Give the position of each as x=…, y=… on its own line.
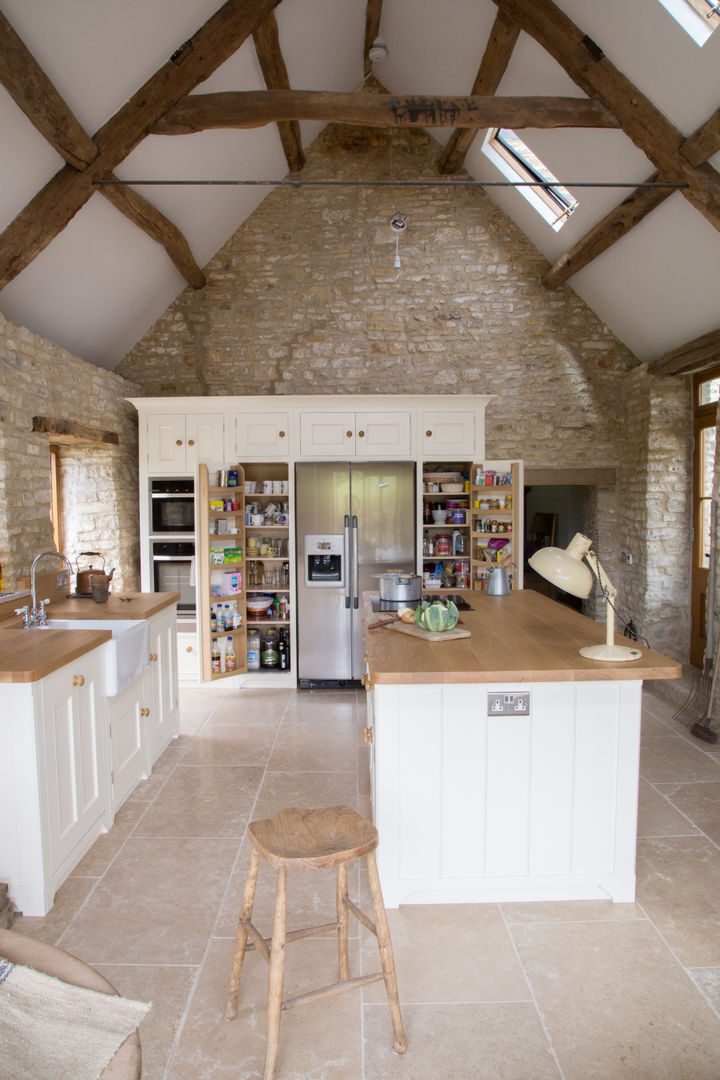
x=126, y=654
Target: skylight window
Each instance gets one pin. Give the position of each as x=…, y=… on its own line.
x=518, y=163
x=698, y=17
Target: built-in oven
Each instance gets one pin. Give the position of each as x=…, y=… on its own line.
x=172, y=506
x=173, y=571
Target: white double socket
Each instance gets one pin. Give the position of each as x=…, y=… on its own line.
x=514, y=704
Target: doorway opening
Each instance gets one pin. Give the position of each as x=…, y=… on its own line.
x=706, y=394
x=553, y=514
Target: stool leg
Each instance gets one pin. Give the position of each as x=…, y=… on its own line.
x=242, y=934
x=386, y=955
x=342, y=921
x=277, y=973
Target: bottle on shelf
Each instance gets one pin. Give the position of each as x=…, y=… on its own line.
x=230, y=657
x=283, y=662
x=215, y=658
x=253, y=651
x=269, y=657
x=213, y=619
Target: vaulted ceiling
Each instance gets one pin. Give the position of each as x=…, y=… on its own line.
x=604, y=93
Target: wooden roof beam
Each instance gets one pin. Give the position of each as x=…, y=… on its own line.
x=373, y=13
x=643, y=122
x=253, y=108
x=702, y=144
x=56, y=204
x=494, y=63
x=34, y=93
x=272, y=64
x=696, y=355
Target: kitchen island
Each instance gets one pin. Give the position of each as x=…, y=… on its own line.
x=505, y=765
x=87, y=704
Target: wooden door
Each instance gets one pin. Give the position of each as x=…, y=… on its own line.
x=703, y=535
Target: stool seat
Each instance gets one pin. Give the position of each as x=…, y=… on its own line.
x=302, y=839
x=309, y=839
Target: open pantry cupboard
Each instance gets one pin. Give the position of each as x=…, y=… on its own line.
x=244, y=572
x=470, y=514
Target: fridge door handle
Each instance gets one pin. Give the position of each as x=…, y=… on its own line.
x=346, y=558
x=356, y=564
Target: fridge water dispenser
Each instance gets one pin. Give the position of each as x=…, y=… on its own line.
x=324, y=563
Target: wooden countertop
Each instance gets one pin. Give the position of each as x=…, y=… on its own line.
x=27, y=655
x=522, y=637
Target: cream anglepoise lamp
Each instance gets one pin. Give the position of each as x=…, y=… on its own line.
x=566, y=569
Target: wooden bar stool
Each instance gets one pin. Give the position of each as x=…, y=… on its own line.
x=297, y=839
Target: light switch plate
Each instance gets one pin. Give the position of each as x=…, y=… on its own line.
x=500, y=704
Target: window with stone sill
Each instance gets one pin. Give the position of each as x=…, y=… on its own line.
x=699, y=18
x=518, y=163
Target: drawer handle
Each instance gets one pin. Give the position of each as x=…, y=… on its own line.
x=191, y=442
x=428, y=434
x=368, y=735
x=153, y=656
x=349, y=434
x=144, y=712
x=178, y=442
x=361, y=433
x=281, y=434
x=78, y=680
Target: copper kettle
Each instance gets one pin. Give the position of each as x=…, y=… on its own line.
x=87, y=575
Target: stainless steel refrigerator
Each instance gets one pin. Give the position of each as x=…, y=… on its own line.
x=352, y=521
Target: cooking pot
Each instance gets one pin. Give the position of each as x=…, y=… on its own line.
x=87, y=576
x=395, y=585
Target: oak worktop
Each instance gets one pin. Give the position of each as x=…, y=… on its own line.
x=521, y=637
x=29, y=655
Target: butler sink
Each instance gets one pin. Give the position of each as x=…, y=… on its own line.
x=126, y=654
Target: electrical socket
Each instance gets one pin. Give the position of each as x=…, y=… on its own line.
x=626, y=557
x=500, y=704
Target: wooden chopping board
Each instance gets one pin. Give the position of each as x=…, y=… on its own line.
x=427, y=635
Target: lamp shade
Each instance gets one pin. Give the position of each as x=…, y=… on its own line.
x=564, y=567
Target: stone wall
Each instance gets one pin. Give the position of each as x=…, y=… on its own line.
x=99, y=483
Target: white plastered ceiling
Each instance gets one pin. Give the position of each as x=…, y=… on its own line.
x=102, y=282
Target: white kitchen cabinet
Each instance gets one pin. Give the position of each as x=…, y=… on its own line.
x=176, y=442
x=451, y=433
x=127, y=713
x=162, y=674
x=258, y=433
x=187, y=650
x=334, y=433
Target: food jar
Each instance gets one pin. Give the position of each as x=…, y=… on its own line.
x=269, y=655
x=442, y=544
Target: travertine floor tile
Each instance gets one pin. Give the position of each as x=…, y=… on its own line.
x=327, y=746
x=500, y=1041
x=708, y=980
x=657, y=816
x=699, y=802
x=615, y=1003
x=204, y=800
x=667, y=758
x=448, y=952
x=168, y=988
x=678, y=884
x=553, y=911
x=156, y=904
x=69, y=898
x=232, y=743
x=280, y=789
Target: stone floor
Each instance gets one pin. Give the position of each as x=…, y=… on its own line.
x=577, y=990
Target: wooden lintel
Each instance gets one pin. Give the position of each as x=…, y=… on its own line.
x=493, y=65
x=373, y=12
x=158, y=227
x=254, y=108
x=539, y=477
x=696, y=355
x=641, y=120
x=703, y=143
x=34, y=93
x=272, y=65
x=56, y=204
x=72, y=432
x=602, y=236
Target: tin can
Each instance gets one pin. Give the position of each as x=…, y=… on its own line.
x=442, y=544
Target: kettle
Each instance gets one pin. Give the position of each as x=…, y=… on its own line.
x=498, y=584
x=89, y=575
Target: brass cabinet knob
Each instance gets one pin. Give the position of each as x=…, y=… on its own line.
x=144, y=712
x=361, y=433
x=281, y=434
x=191, y=442
x=78, y=680
x=349, y=434
x=189, y=648
x=368, y=735
x=428, y=434
x=153, y=656
x=178, y=442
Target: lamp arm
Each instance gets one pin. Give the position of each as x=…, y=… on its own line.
x=609, y=592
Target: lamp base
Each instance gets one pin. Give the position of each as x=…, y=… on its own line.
x=614, y=653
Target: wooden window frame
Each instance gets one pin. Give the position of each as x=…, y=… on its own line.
x=56, y=496
x=553, y=202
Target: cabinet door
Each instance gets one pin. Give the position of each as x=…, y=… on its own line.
x=382, y=434
x=205, y=438
x=127, y=711
x=162, y=722
x=187, y=656
x=448, y=434
x=327, y=434
x=260, y=435
x=166, y=451
x=75, y=752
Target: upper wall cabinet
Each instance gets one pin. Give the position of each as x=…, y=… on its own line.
x=356, y=434
x=177, y=442
x=258, y=433
x=450, y=433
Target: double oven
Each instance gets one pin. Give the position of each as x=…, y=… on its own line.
x=172, y=539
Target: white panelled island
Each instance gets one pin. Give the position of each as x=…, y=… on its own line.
x=474, y=805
